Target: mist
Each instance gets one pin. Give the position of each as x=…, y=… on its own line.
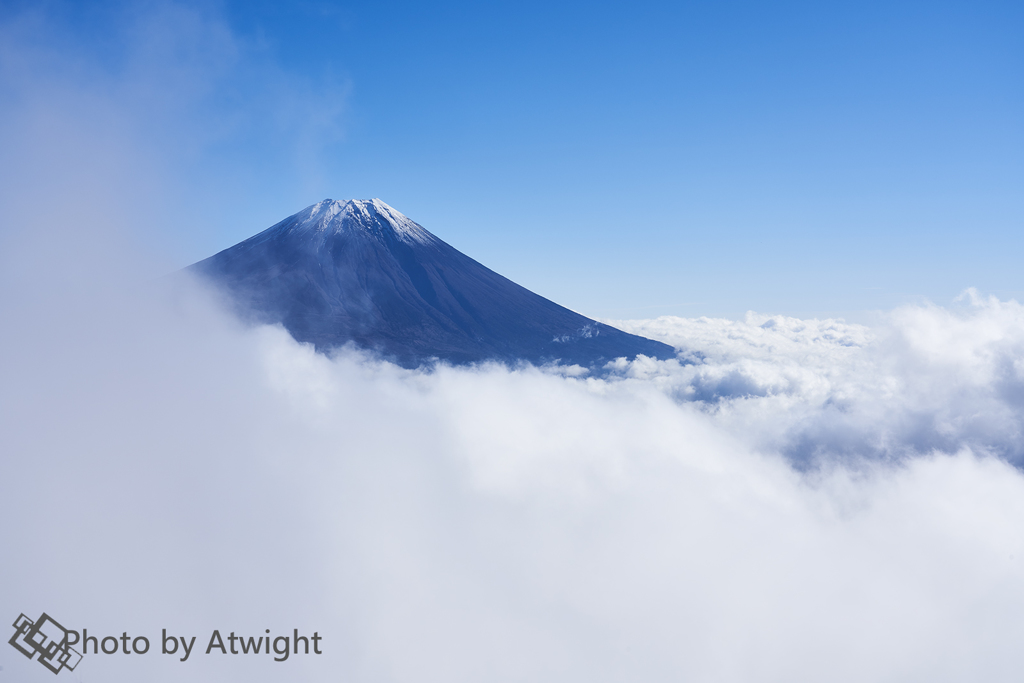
x=171, y=468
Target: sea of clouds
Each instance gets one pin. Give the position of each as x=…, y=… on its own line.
x=928, y=379
x=795, y=500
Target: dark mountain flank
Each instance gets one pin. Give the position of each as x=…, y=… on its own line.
x=361, y=272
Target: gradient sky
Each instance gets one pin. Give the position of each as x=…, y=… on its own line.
x=625, y=160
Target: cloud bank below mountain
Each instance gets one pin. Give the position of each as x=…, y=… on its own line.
x=928, y=379
x=172, y=468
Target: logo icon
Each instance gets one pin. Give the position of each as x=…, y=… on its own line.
x=46, y=638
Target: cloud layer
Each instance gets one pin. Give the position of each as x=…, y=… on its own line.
x=170, y=468
x=928, y=378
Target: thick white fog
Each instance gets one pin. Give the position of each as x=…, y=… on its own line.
x=806, y=500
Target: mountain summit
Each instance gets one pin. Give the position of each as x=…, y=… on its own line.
x=359, y=271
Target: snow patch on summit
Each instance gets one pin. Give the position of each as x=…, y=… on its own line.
x=331, y=215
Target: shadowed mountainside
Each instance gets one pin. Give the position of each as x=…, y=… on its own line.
x=359, y=271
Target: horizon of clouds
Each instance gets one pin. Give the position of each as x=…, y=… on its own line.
x=925, y=378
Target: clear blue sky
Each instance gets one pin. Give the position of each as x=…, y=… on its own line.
x=625, y=160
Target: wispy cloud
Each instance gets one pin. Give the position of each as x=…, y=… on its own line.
x=155, y=103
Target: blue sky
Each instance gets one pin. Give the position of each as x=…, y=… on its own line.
x=625, y=160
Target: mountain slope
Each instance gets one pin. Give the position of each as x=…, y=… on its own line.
x=359, y=271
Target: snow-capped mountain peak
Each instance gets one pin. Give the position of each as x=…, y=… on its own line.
x=333, y=216
x=360, y=272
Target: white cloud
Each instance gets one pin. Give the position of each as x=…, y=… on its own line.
x=176, y=470
x=928, y=378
